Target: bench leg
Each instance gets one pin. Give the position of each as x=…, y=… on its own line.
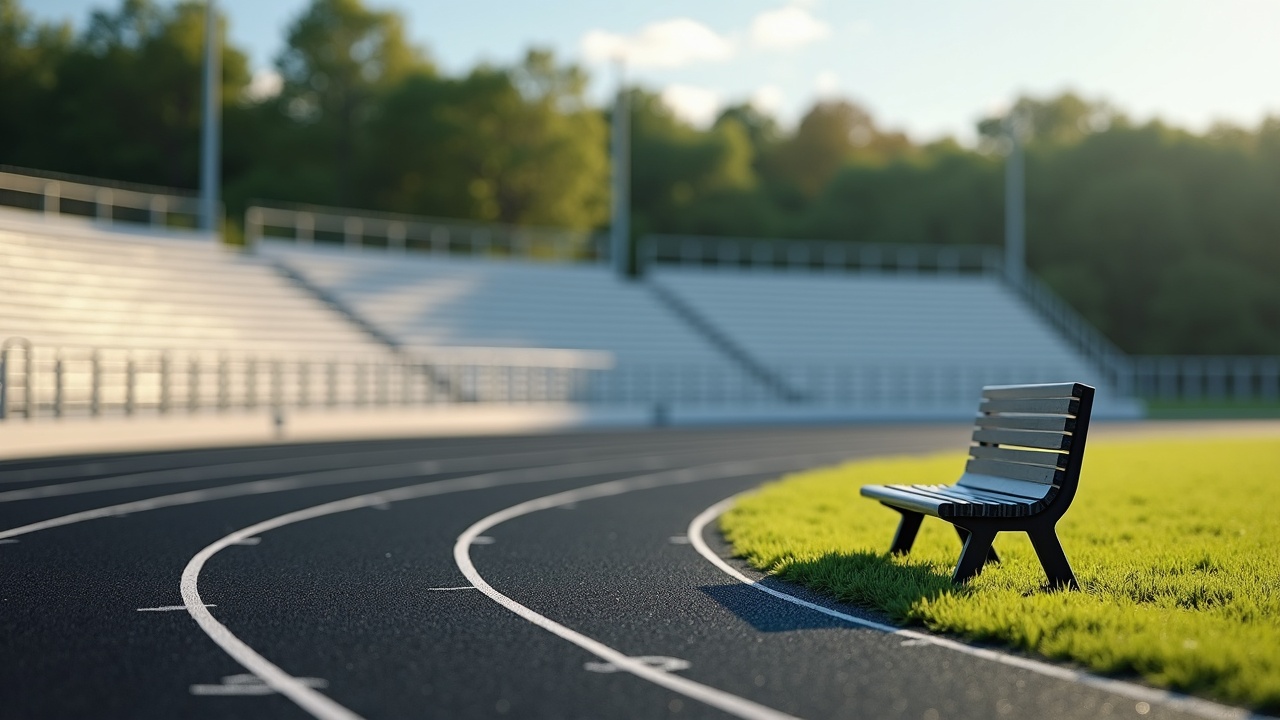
x=1054, y=560
x=907, y=529
x=977, y=547
x=964, y=536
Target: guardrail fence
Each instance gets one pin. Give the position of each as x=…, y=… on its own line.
x=1211, y=378
x=398, y=233
x=823, y=255
x=62, y=382
x=99, y=200
x=37, y=382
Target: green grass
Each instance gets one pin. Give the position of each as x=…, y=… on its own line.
x=1176, y=546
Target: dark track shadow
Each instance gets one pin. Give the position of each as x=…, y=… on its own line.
x=872, y=581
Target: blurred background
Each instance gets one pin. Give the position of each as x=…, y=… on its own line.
x=1134, y=147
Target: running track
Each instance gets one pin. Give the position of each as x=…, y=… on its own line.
x=524, y=577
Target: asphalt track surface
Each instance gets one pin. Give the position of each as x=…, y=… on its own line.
x=548, y=576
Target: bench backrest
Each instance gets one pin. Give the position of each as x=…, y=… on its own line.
x=1028, y=440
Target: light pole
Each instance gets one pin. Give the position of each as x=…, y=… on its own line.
x=210, y=155
x=620, y=222
x=1015, y=201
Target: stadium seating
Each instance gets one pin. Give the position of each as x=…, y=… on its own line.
x=427, y=301
x=69, y=283
x=807, y=323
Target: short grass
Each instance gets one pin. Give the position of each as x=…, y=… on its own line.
x=1176, y=546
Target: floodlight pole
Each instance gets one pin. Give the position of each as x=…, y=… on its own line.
x=210, y=156
x=1015, y=201
x=620, y=222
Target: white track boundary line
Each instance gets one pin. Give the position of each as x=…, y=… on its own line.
x=308, y=698
x=728, y=702
x=308, y=463
x=1177, y=701
x=294, y=482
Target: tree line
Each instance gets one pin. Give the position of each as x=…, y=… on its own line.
x=1167, y=240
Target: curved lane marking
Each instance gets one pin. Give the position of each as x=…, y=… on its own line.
x=714, y=697
x=1142, y=693
x=291, y=482
x=308, y=698
x=201, y=473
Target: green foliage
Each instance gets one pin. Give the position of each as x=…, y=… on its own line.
x=1175, y=543
x=516, y=145
x=120, y=101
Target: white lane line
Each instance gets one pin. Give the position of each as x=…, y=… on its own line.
x=307, y=463
x=250, y=541
x=660, y=662
x=246, y=684
x=483, y=540
x=284, y=484
x=9, y=541
x=1142, y=693
x=463, y=587
x=198, y=473
x=308, y=698
x=169, y=608
x=714, y=697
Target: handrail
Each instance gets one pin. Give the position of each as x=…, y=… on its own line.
x=1098, y=348
x=94, y=381
x=824, y=255
x=363, y=230
x=52, y=193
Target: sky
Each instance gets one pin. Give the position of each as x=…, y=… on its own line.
x=931, y=69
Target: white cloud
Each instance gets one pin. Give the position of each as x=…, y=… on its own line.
x=695, y=105
x=767, y=99
x=827, y=83
x=667, y=44
x=787, y=27
x=264, y=84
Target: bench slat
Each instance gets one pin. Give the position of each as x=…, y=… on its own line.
x=1029, y=457
x=1019, y=488
x=984, y=504
x=1046, y=440
x=1027, y=422
x=905, y=499
x=1056, y=406
x=1015, y=471
x=1050, y=390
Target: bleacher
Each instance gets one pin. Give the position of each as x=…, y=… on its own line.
x=938, y=327
x=432, y=301
x=905, y=343
x=68, y=283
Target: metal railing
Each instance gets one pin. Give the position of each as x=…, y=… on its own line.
x=40, y=382
x=334, y=227
x=815, y=255
x=99, y=199
x=1206, y=378
x=1111, y=361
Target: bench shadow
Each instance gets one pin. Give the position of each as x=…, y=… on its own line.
x=867, y=585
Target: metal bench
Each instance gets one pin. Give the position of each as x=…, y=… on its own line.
x=1022, y=473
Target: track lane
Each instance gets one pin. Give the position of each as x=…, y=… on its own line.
x=355, y=600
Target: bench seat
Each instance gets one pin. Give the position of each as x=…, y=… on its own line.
x=948, y=501
x=1022, y=473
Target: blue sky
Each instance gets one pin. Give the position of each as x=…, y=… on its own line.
x=929, y=68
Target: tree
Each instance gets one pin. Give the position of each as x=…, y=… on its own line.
x=340, y=57
x=29, y=57
x=516, y=145
x=831, y=135
x=123, y=100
